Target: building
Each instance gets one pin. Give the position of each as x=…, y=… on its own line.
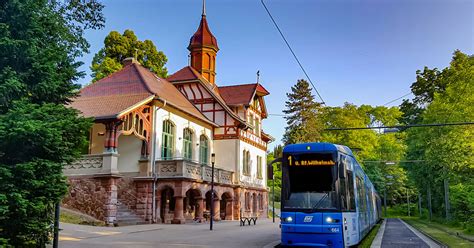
x=150, y=150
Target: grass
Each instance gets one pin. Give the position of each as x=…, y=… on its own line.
x=435, y=230
x=67, y=216
x=367, y=241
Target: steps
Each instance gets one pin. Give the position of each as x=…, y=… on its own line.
x=126, y=217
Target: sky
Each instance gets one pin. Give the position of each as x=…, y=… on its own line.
x=357, y=51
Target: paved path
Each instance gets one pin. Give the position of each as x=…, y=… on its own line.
x=394, y=233
x=225, y=234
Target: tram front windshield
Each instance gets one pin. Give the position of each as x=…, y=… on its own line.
x=308, y=183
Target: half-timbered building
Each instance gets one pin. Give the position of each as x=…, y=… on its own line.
x=149, y=157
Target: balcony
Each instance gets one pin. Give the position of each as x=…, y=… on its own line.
x=181, y=168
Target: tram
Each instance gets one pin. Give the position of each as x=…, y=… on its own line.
x=327, y=200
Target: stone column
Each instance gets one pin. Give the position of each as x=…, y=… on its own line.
x=111, y=200
x=144, y=198
x=200, y=209
x=236, y=203
x=217, y=209
x=158, y=208
x=178, y=211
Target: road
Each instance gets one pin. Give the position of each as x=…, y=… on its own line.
x=225, y=234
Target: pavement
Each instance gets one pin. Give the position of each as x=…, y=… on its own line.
x=395, y=233
x=225, y=234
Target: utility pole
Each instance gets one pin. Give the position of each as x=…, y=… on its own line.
x=408, y=203
x=429, y=201
x=273, y=197
x=56, y=225
x=213, y=160
x=419, y=203
x=385, y=201
x=446, y=199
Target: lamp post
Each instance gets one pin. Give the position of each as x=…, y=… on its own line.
x=213, y=160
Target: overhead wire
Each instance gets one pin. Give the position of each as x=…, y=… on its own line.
x=292, y=52
x=394, y=100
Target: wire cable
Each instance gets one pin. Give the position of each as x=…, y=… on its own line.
x=292, y=52
x=394, y=100
x=401, y=127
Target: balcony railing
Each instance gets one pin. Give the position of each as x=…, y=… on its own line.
x=87, y=164
x=183, y=168
x=92, y=164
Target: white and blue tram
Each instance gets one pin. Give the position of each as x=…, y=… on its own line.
x=327, y=200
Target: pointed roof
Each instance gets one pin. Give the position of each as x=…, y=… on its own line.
x=130, y=87
x=203, y=36
x=189, y=74
x=241, y=94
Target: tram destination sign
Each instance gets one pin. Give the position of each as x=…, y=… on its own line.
x=309, y=161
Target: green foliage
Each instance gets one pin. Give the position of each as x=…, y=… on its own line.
x=277, y=153
x=301, y=110
x=39, y=42
x=371, y=148
x=367, y=241
x=446, y=152
x=118, y=46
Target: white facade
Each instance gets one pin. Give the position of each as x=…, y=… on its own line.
x=180, y=123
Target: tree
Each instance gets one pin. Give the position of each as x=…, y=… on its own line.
x=118, y=46
x=301, y=110
x=446, y=152
x=371, y=148
x=428, y=83
x=276, y=153
x=39, y=43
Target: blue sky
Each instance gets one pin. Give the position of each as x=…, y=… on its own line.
x=358, y=51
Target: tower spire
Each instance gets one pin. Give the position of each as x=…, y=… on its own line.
x=203, y=7
x=203, y=48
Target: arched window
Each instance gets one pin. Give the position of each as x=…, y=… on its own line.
x=259, y=167
x=188, y=143
x=167, y=146
x=246, y=163
x=203, y=149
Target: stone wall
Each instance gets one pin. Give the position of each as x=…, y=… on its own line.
x=96, y=197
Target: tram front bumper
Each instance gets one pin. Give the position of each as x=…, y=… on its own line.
x=312, y=235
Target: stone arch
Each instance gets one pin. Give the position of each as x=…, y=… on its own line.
x=166, y=203
x=193, y=205
x=226, y=206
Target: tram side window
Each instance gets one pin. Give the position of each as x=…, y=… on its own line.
x=361, y=194
x=350, y=196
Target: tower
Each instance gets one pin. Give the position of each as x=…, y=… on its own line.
x=203, y=48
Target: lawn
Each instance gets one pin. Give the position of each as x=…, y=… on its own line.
x=438, y=232
x=367, y=241
x=68, y=216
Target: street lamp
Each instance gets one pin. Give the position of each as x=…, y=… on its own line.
x=213, y=160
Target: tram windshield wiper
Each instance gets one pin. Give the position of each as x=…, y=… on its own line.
x=315, y=206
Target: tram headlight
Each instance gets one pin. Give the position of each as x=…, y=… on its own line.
x=329, y=220
x=287, y=219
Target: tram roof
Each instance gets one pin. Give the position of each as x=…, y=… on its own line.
x=317, y=147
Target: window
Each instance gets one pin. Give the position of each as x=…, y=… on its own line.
x=188, y=143
x=167, y=146
x=259, y=167
x=246, y=163
x=203, y=149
